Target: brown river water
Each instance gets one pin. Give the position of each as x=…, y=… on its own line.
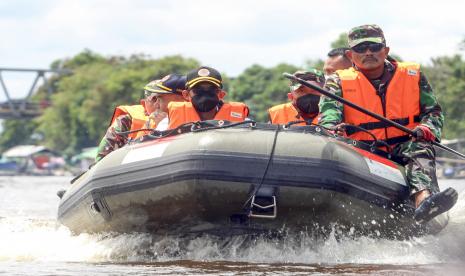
x=32, y=243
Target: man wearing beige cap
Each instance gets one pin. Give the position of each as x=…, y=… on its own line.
x=148, y=114
x=400, y=92
x=169, y=89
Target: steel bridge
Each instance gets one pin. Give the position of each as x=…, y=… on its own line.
x=26, y=107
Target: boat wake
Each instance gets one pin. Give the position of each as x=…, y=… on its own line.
x=38, y=238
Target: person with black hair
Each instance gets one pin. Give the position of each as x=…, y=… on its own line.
x=337, y=60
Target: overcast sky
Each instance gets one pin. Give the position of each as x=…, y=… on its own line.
x=228, y=35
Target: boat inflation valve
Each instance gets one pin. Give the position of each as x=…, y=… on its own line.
x=263, y=207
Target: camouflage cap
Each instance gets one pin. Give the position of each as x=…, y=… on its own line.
x=365, y=33
x=311, y=74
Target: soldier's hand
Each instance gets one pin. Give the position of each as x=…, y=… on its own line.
x=340, y=129
x=158, y=115
x=423, y=133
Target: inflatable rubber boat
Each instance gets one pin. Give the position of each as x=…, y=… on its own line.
x=221, y=177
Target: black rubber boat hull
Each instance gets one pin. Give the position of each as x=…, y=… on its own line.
x=199, y=182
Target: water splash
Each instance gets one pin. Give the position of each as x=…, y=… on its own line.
x=41, y=241
x=38, y=238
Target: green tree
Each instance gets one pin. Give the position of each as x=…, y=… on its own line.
x=16, y=132
x=84, y=100
x=314, y=63
x=261, y=88
x=447, y=77
x=340, y=42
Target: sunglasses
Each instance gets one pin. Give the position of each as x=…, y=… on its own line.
x=373, y=47
x=153, y=98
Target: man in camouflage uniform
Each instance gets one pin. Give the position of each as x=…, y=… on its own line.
x=113, y=139
x=169, y=88
x=369, y=54
x=303, y=104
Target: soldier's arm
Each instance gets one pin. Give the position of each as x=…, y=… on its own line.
x=331, y=110
x=112, y=139
x=430, y=111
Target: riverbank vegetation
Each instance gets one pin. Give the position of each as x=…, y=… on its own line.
x=83, y=101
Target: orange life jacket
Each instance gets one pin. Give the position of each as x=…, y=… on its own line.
x=284, y=113
x=138, y=118
x=402, y=103
x=184, y=112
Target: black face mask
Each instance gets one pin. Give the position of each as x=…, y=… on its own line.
x=308, y=104
x=205, y=100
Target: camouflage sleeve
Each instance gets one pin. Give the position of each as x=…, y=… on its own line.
x=331, y=111
x=430, y=110
x=112, y=139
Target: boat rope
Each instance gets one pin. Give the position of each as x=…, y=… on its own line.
x=220, y=125
x=257, y=188
x=194, y=127
x=133, y=131
x=298, y=122
x=376, y=142
x=201, y=126
x=349, y=126
x=159, y=133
